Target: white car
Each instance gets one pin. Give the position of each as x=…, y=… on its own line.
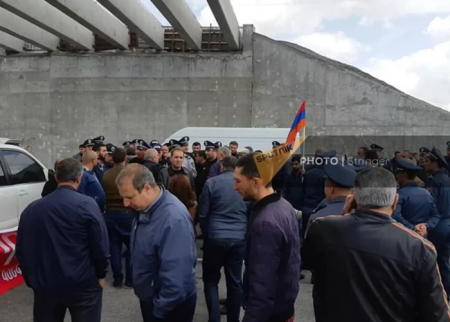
x=22, y=178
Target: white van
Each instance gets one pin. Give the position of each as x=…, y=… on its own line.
x=22, y=178
x=257, y=138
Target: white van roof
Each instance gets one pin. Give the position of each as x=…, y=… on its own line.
x=257, y=138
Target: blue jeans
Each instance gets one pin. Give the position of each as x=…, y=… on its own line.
x=119, y=224
x=227, y=253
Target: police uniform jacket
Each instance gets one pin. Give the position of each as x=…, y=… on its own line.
x=368, y=267
x=325, y=209
x=189, y=163
x=415, y=206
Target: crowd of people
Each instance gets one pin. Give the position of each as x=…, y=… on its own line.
x=374, y=232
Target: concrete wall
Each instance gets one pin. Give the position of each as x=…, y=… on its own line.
x=342, y=102
x=56, y=101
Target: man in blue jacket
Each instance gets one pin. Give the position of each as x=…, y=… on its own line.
x=90, y=184
x=272, y=259
x=223, y=219
x=63, y=250
x=163, y=248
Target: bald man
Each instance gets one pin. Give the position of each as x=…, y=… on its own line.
x=90, y=186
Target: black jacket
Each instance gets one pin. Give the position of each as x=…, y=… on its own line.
x=155, y=168
x=62, y=243
x=367, y=267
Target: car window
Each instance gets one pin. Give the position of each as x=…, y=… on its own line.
x=22, y=168
x=2, y=177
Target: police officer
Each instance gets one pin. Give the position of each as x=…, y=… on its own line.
x=379, y=150
x=89, y=144
x=439, y=186
x=280, y=177
x=339, y=182
x=141, y=147
x=415, y=209
x=109, y=163
x=422, y=175
x=211, y=151
x=188, y=161
x=313, y=186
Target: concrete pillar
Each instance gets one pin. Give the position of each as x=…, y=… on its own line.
x=227, y=20
x=138, y=20
x=11, y=43
x=247, y=40
x=52, y=20
x=95, y=18
x=183, y=20
x=22, y=29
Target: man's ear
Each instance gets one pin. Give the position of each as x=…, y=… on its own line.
x=394, y=205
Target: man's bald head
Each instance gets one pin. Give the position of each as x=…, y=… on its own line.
x=89, y=157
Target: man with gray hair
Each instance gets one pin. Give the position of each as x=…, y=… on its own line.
x=151, y=162
x=221, y=154
x=63, y=250
x=163, y=248
x=367, y=266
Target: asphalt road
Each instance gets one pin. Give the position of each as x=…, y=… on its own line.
x=121, y=305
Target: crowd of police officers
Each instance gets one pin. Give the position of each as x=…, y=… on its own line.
x=320, y=188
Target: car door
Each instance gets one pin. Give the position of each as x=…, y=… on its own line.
x=26, y=175
x=9, y=212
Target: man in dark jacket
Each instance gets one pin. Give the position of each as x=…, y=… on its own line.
x=272, y=260
x=176, y=167
x=367, y=266
x=223, y=219
x=90, y=184
x=151, y=162
x=63, y=249
x=293, y=187
x=163, y=248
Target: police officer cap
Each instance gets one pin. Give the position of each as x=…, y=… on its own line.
x=142, y=145
x=327, y=154
x=110, y=148
x=100, y=138
x=89, y=142
x=184, y=140
x=340, y=175
x=174, y=143
x=211, y=145
x=218, y=144
x=135, y=141
x=126, y=143
x=436, y=154
x=275, y=143
x=407, y=165
x=157, y=147
x=376, y=147
x=424, y=150
x=154, y=142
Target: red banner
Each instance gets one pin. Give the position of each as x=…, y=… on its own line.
x=10, y=273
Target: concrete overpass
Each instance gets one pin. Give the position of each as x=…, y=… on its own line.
x=98, y=25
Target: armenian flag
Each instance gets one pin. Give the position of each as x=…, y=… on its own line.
x=298, y=124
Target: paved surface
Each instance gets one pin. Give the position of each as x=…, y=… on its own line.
x=121, y=305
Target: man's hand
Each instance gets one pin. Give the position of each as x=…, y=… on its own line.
x=421, y=229
x=102, y=282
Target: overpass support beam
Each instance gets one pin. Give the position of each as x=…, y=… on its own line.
x=22, y=29
x=52, y=20
x=11, y=43
x=95, y=18
x=138, y=20
x=227, y=20
x=183, y=20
